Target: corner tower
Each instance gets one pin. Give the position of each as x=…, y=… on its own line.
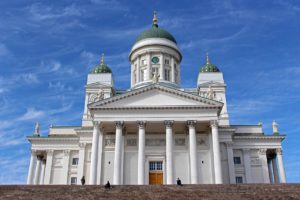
x=155, y=54
x=211, y=85
x=100, y=85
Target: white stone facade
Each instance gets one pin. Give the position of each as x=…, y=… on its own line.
x=184, y=133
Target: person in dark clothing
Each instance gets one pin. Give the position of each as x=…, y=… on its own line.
x=179, y=182
x=83, y=180
x=107, y=185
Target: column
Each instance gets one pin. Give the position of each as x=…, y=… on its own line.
x=281, y=166
x=118, y=152
x=100, y=150
x=172, y=70
x=31, y=167
x=94, y=155
x=138, y=69
x=161, y=68
x=275, y=170
x=42, y=176
x=48, y=169
x=169, y=152
x=132, y=77
x=141, y=153
x=37, y=170
x=81, y=162
x=216, y=152
x=230, y=161
x=149, y=66
x=193, y=151
x=66, y=162
x=247, y=165
x=270, y=171
x=264, y=163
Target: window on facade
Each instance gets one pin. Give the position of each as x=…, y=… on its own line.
x=167, y=74
x=239, y=179
x=155, y=166
x=143, y=62
x=75, y=161
x=167, y=62
x=237, y=160
x=73, y=180
x=143, y=75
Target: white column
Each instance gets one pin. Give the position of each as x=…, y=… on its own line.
x=161, y=69
x=216, y=152
x=100, y=150
x=132, y=77
x=48, y=167
x=193, y=151
x=81, y=161
x=281, y=166
x=138, y=69
x=94, y=156
x=247, y=165
x=31, y=167
x=42, y=176
x=270, y=171
x=37, y=170
x=230, y=161
x=149, y=66
x=169, y=152
x=118, y=152
x=141, y=153
x=172, y=70
x=275, y=170
x=66, y=162
x=264, y=164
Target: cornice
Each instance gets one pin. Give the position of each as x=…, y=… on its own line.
x=257, y=137
x=210, y=102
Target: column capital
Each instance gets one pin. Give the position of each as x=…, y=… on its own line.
x=247, y=151
x=141, y=124
x=262, y=151
x=66, y=152
x=279, y=151
x=49, y=152
x=169, y=123
x=229, y=144
x=40, y=157
x=214, y=123
x=191, y=123
x=82, y=145
x=33, y=151
x=96, y=123
x=119, y=124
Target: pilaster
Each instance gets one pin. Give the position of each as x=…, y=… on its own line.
x=229, y=146
x=81, y=162
x=66, y=162
x=247, y=165
x=264, y=164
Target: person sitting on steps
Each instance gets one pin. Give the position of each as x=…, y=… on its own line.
x=179, y=182
x=107, y=185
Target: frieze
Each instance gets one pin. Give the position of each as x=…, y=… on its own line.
x=155, y=142
x=180, y=141
x=109, y=142
x=131, y=142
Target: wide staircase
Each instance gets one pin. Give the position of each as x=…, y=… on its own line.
x=185, y=192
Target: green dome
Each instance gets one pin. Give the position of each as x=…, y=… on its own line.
x=101, y=68
x=208, y=67
x=155, y=32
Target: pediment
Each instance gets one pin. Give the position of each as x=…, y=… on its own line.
x=98, y=85
x=154, y=96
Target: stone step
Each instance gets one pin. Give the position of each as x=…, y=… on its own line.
x=185, y=192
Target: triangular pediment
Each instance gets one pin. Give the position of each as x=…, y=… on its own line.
x=98, y=85
x=155, y=96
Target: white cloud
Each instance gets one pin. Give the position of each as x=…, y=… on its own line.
x=31, y=114
x=4, y=51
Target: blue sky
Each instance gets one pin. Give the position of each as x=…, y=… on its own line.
x=48, y=47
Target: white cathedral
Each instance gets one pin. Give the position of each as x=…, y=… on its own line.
x=156, y=131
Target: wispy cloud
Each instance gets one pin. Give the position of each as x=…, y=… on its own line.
x=30, y=114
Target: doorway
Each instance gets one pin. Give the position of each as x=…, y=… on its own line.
x=156, y=173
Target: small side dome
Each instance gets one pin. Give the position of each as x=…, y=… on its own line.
x=155, y=32
x=101, y=68
x=208, y=67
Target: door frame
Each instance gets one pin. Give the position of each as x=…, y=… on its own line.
x=150, y=158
